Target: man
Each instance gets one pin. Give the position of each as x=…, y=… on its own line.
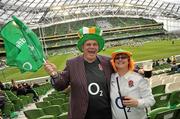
x=89, y=78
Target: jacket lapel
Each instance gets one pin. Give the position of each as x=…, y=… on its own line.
x=82, y=73
x=106, y=69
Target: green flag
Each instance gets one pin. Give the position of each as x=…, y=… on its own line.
x=23, y=48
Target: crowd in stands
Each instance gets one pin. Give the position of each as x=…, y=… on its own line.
x=171, y=61
x=2, y=63
x=104, y=24
x=15, y=96
x=130, y=43
x=18, y=89
x=21, y=89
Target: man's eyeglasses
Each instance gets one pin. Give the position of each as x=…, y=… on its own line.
x=121, y=57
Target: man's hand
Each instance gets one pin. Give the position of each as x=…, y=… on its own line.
x=130, y=102
x=50, y=68
x=141, y=71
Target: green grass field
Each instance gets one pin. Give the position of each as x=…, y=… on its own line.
x=150, y=50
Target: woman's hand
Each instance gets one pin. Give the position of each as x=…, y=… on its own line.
x=130, y=102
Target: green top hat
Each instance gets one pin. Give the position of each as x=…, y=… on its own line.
x=91, y=33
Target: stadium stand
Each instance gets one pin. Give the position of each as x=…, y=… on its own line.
x=162, y=100
x=36, y=113
x=17, y=103
x=55, y=104
x=167, y=97
x=62, y=43
x=124, y=22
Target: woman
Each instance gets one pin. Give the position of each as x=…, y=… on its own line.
x=130, y=92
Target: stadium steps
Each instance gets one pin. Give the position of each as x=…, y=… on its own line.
x=32, y=106
x=58, y=102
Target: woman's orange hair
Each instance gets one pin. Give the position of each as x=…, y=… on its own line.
x=131, y=61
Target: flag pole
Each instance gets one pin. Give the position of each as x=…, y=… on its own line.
x=44, y=60
x=125, y=113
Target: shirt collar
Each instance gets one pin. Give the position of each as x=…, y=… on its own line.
x=126, y=76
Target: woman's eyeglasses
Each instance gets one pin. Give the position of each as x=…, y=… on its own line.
x=121, y=57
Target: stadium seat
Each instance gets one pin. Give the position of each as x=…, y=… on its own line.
x=8, y=108
x=63, y=115
x=158, y=89
x=65, y=107
x=67, y=99
x=168, y=114
x=55, y=91
x=173, y=87
x=177, y=79
x=178, y=106
x=174, y=99
x=167, y=80
x=52, y=95
x=58, y=101
x=42, y=104
x=18, y=104
x=162, y=100
x=34, y=113
x=62, y=95
x=30, y=97
x=48, y=98
x=52, y=110
x=152, y=114
x=47, y=117
x=25, y=99
x=155, y=83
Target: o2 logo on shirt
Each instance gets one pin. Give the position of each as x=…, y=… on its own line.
x=94, y=89
x=120, y=106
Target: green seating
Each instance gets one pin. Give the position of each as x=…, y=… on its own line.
x=65, y=107
x=18, y=104
x=162, y=100
x=55, y=92
x=34, y=113
x=30, y=100
x=63, y=115
x=13, y=115
x=11, y=95
x=8, y=108
x=178, y=113
x=52, y=110
x=25, y=99
x=67, y=99
x=58, y=101
x=174, y=99
x=42, y=104
x=178, y=106
x=42, y=89
x=168, y=114
x=52, y=95
x=62, y=95
x=158, y=89
x=47, y=117
x=154, y=112
x=48, y=98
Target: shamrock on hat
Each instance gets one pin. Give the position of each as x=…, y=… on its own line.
x=90, y=33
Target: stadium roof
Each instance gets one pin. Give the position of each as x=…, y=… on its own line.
x=52, y=11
